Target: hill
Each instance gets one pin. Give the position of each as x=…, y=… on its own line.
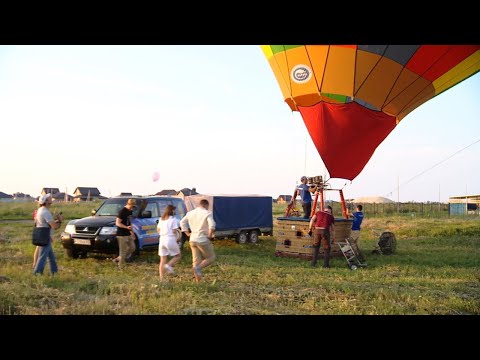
x=373, y=199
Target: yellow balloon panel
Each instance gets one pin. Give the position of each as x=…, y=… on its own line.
x=461, y=71
x=282, y=81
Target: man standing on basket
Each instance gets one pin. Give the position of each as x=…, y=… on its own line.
x=305, y=191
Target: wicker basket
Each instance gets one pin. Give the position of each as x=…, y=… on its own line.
x=292, y=239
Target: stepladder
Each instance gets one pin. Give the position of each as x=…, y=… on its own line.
x=350, y=254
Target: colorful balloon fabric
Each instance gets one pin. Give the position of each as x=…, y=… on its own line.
x=352, y=96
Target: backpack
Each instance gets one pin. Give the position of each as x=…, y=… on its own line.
x=387, y=243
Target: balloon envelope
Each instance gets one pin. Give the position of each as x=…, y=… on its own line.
x=352, y=96
x=155, y=176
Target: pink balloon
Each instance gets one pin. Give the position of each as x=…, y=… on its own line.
x=155, y=176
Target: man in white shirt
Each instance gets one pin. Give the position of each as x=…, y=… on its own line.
x=202, y=231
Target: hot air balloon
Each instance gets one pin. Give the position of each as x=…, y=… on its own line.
x=357, y=94
x=155, y=176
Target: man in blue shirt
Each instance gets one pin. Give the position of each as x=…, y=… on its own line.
x=305, y=194
x=355, y=235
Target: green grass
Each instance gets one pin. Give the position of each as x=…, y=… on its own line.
x=24, y=211
x=434, y=271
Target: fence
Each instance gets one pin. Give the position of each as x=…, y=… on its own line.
x=429, y=209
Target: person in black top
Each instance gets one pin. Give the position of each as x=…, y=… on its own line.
x=125, y=237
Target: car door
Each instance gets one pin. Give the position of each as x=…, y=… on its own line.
x=146, y=228
x=180, y=208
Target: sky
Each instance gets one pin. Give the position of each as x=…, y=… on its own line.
x=209, y=117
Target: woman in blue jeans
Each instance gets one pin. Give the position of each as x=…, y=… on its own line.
x=44, y=218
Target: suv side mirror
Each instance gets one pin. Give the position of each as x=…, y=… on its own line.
x=146, y=214
x=94, y=212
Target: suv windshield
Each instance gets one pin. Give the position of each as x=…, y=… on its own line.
x=112, y=207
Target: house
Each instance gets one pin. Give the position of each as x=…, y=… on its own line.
x=282, y=199
x=464, y=204
x=168, y=192
x=186, y=192
x=87, y=194
x=61, y=196
x=5, y=197
x=125, y=194
x=49, y=190
x=21, y=197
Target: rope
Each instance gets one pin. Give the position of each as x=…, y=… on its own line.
x=430, y=168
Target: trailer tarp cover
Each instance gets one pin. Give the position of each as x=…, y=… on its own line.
x=236, y=211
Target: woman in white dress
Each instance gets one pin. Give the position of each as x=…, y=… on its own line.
x=169, y=229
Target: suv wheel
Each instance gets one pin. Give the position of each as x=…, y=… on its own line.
x=72, y=253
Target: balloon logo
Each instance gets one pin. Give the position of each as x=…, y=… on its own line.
x=155, y=176
x=301, y=74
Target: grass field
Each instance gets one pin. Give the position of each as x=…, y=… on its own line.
x=434, y=271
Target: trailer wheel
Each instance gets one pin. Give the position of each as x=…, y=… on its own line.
x=353, y=267
x=242, y=238
x=253, y=236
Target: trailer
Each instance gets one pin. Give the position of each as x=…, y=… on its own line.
x=242, y=217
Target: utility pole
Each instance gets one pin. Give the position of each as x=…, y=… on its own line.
x=398, y=194
x=466, y=200
x=439, y=198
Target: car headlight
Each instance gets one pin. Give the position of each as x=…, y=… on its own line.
x=70, y=229
x=108, y=230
